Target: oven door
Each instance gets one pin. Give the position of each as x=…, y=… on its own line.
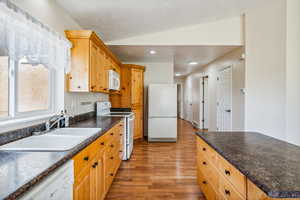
x=130, y=133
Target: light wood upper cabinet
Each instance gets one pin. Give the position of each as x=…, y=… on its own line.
x=137, y=85
x=95, y=68
x=90, y=62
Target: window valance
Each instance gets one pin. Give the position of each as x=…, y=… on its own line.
x=22, y=36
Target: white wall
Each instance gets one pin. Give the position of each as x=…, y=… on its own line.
x=211, y=70
x=293, y=72
x=158, y=72
x=49, y=13
x=222, y=32
x=265, y=69
x=272, y=70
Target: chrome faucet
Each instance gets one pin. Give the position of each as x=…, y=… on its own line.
x=54, y=120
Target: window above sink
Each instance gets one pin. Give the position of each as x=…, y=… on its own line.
x=33, y=62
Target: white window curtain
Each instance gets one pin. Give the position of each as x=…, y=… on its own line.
x=22, y=36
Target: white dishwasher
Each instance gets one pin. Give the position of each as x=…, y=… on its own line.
x=58, y=186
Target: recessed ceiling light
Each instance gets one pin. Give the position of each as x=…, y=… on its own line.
x=152, y=52
x=177, y=74
x=193, y=63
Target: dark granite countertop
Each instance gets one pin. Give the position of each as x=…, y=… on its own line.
x=20, y=171
x=272, y=165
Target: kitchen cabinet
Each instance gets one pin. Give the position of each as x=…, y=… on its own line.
x=90, y=62
x=137, y=87
x=132, y=95
x=138, y=123
x=96, y=166
x=220, y=180
x=82, y=185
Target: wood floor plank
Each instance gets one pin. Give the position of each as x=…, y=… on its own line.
x=160, y=171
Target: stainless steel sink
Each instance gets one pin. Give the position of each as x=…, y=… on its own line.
x=58, y=140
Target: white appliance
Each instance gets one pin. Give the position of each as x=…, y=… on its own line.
x=57, y=186
x=114, y=80
x=162, y=113
x=103, y=109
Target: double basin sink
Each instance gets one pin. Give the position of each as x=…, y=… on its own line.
x=63, y=139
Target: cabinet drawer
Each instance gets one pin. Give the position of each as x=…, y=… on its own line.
x=228, y=191
x=206, y=187
x=236, y=178
x=204, y=149
x=109, y=162
x=113, y=145
x=81, y=160
x=209, y=171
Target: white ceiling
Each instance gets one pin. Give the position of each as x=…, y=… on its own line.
x=181, y=55
x=117, y=19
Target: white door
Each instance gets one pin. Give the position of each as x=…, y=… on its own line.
x=162, y=100
x=196, y=101
x=204, y=103
x=224, y=100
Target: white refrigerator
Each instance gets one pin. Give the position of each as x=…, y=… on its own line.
x=162, y=113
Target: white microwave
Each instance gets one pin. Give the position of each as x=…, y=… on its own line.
x=114, y=80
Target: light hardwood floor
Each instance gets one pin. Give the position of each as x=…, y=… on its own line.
x=160, y=170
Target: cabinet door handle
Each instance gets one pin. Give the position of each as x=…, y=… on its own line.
x=204, y=182
x=112, y=158
x=111, y=174
x=112, y=146
x=86, y=158
x=227, y=172
x=204, y=149
x=102, y=143
x=227, y=192
x=112, y=134
x=95, y=165
x=204, y=163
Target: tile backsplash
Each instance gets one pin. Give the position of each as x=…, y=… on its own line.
x=78, y=103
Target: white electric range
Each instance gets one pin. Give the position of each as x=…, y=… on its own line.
x=104, y=109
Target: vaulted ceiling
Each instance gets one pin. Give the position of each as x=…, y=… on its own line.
x=117, y=19
x=180, y=55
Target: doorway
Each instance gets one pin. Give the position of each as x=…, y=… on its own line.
x=179, y=101
x=224, y=99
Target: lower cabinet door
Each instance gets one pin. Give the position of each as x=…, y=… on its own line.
x=138, y=123
x=228, y=191
x=100, y=193
x=82, y=186
x=206, y=187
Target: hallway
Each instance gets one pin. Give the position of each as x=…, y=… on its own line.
x=160, y=170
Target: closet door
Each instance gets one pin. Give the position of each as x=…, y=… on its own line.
x=224, y=100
